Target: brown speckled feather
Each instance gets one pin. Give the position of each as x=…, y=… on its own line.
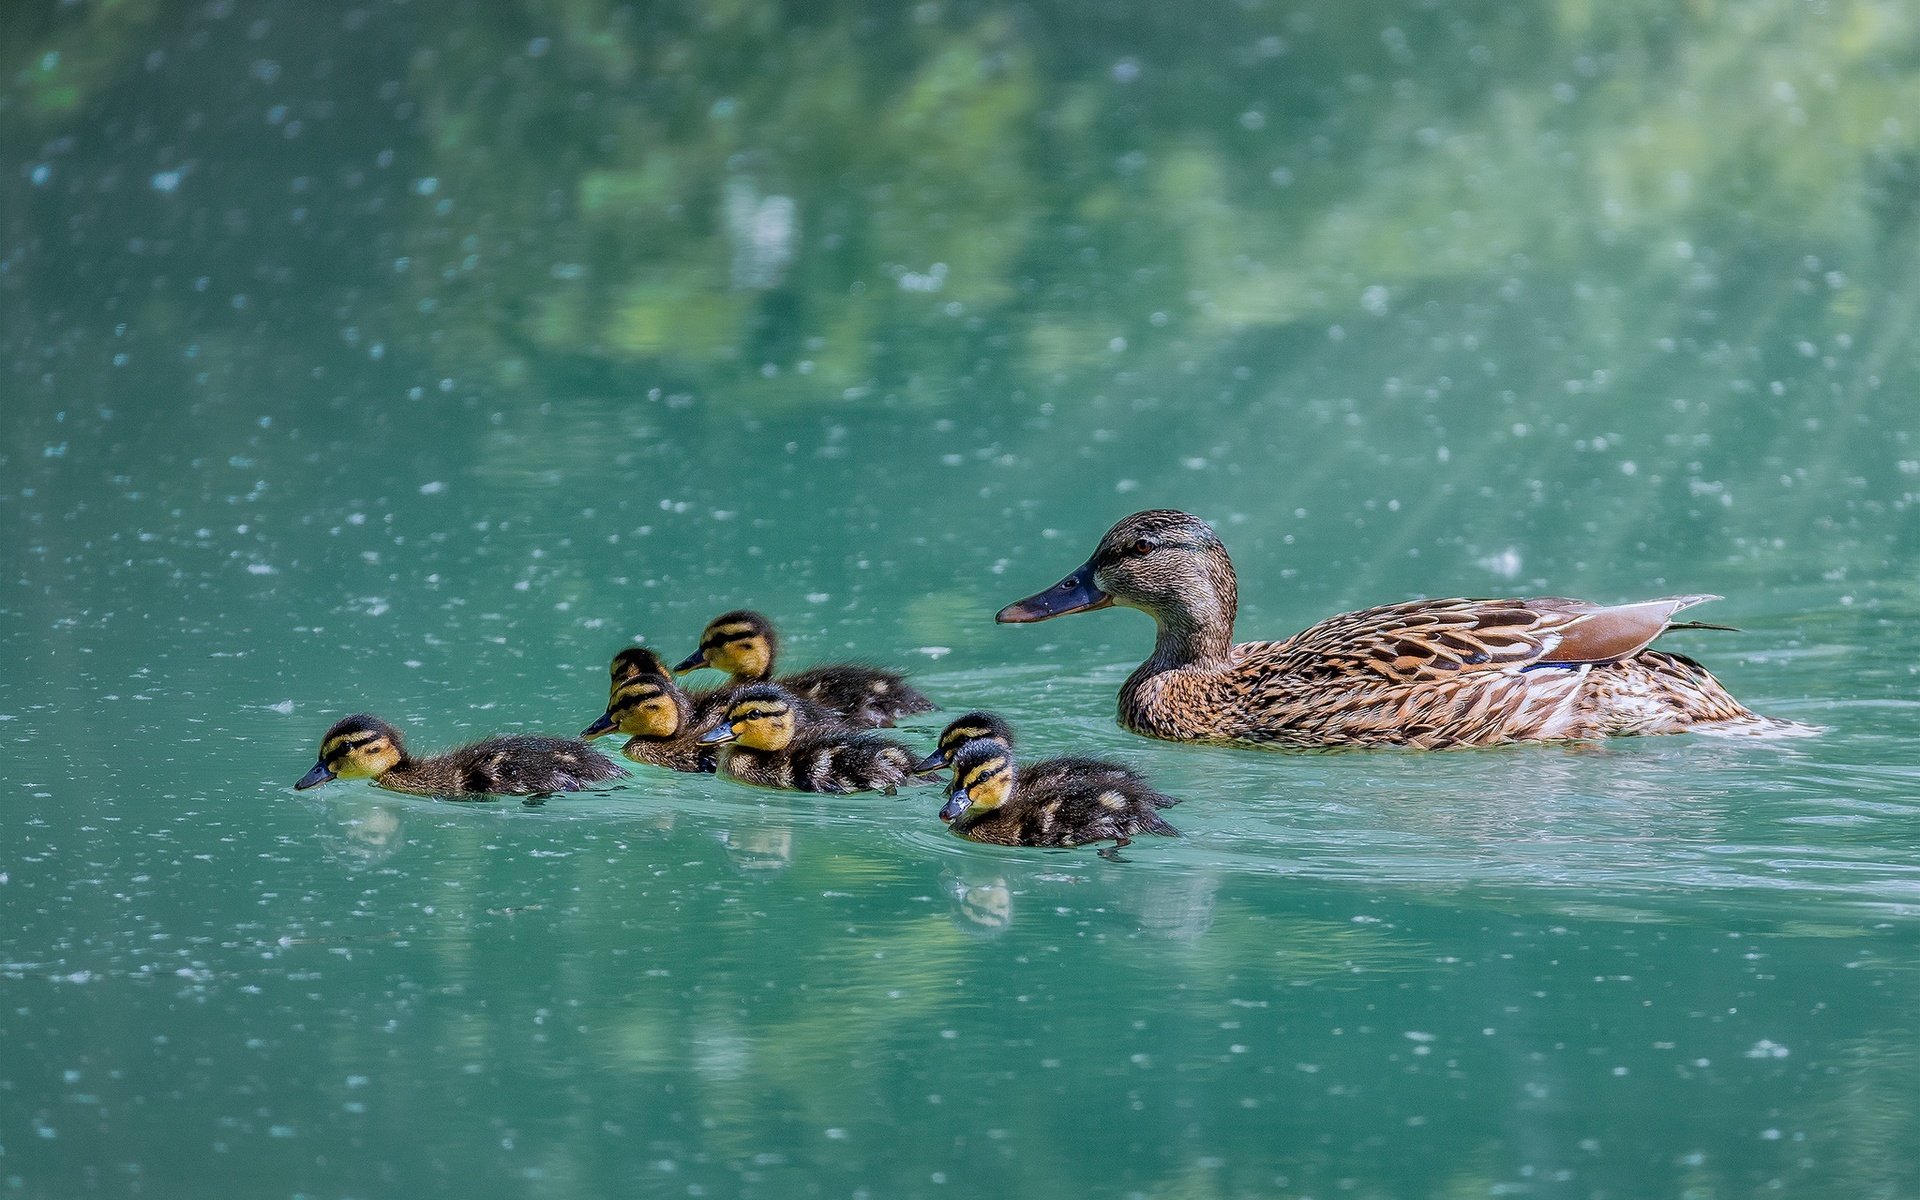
x=1437, y=673
x=513, y=765
x=828, y=761
x=863, y=697
x=1067, y=802
x=1425, y=673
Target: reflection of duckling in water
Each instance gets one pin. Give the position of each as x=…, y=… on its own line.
x=743, y=644
x=364, y=747
x=992, y=801
x=662, y=725
x=362, y=832
x=768, y=738
x=985, y=908
x=759, y=849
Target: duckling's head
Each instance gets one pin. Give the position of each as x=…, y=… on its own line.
x=1164, y=562
x=358, y=747
x=643, y=706
x=973, y=727
x=741, y=643
x=761, y=717
x=983, y=778
x=633, y=662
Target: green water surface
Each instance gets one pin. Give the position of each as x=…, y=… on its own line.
x=414, y=358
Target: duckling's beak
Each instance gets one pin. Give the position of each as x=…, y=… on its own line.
x=1076, y=593
x=606, y=724
x=692, y=662
x=314, y=778
x=933, y=762
x=716, y=735
x=955, y=805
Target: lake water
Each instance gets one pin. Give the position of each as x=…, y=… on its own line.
x=414, y=360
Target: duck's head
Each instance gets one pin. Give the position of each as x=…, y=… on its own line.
x=1164, y=562
x=983, y=779
x=643, y=706
x=973, y=727
x=761, y=717
x=632, y=663
x=741, y=643
x=357, y=747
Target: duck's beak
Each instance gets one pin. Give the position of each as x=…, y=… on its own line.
x=692, y=662
x=1076, y=593
x=314, y=778
x=716, y=735
x=933, y=762
x=605, y=724
x=955, y=805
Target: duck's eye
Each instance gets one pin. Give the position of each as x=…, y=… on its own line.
x=1141, y=547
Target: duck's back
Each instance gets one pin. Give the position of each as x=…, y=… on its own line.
x=509, y=765
x=1443, y=673
x=681, y=753
x=1054, y=808
x=861, y=696
x=827, y=762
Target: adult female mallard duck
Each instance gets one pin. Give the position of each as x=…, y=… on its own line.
x=743, y=644
x=364, y=747
x=991, y=800
x=1425, y=673
x=662, y=723
x=767, y=738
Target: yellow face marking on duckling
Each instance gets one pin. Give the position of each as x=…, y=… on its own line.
x=1112, y=801
x=761, y=724
x=986, y=785
x=738, y=650
x=642, y=708
x=360, y=755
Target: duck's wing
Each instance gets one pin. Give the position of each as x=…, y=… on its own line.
x=1432, y=640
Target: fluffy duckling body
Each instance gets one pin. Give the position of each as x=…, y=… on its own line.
x=992, y=727
x=1426, y=673
x=365, y=747
x=662, y=722
x=744, y=645
x=767, y=738
x=992, y=800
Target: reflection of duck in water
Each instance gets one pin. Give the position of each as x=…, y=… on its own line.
x=362, y=832
x=1425, y=673
x=364, y=747
x=743, y=644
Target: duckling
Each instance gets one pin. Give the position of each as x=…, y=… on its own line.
x=1424, y=673
x=743, y=644
x=661, y=722
x=365, y=747
x=767, y=738
x=631, y=662
x=986, y=726
x=991, y=800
